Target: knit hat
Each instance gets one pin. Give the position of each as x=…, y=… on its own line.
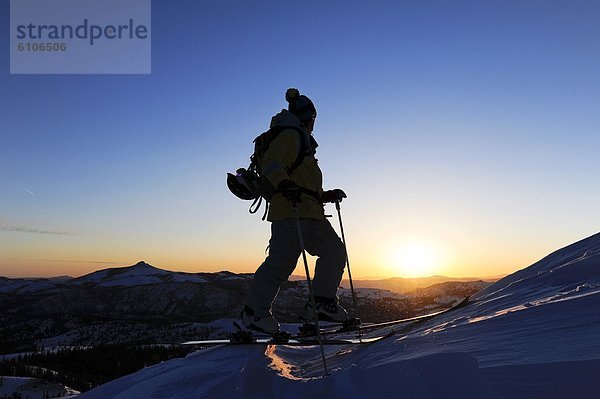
x=300, y=105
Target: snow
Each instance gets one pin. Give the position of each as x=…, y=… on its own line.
x=34, y=388
x=60, y=340
x=130, y=281
x=186, y=278
x=234, y=278
x=23, y=286
x=534, y=334
x=139, y=274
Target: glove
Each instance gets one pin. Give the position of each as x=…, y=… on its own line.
x=333, y=196
x=290, y=190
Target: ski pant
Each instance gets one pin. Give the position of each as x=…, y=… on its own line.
x=320, y=239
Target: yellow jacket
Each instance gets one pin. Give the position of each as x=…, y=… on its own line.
x=282, y=154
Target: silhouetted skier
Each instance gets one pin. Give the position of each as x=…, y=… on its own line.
x=303, y=187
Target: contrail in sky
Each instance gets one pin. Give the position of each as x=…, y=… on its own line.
x=29, y=229
x=28, y=191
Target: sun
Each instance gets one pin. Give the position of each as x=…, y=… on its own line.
x=415, y=259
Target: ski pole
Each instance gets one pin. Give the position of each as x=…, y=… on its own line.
x=310, y=290
x=339, y=212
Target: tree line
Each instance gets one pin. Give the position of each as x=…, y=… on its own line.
x=86, y=368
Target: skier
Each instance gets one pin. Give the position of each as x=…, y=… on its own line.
x=300, y=188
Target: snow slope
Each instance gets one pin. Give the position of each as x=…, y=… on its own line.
x=21, y=286
x=534, y=334
x=138, y=274
x=33, y=388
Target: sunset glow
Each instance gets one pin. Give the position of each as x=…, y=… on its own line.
x=415, y=259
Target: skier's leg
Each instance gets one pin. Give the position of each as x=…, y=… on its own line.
x=284, y=251
x=323, y=241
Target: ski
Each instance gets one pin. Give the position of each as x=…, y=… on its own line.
x=307, y=332
x=245, y=337
x=248, y=337
x=289, y=342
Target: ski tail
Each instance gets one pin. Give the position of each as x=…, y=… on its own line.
x=306, y=330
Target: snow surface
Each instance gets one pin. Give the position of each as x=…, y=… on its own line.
x=34, y=388
x=23, y=286
x=177, y=277
x=138, y=274
x=534, y=334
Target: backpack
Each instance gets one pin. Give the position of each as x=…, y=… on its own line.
x=250, y=184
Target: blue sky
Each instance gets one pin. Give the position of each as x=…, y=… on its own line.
x=468, y=129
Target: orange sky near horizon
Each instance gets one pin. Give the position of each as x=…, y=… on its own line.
x=411, y=258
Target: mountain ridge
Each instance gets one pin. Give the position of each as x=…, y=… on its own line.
x=149, y=274
x=142, y=299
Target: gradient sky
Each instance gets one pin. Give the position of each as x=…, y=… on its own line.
x=465, y=134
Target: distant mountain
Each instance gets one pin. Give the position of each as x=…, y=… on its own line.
x=406, y=285
x=136, y=275
x=140, y=274
x=139, y=289
x=145, y=304
x=450, y=288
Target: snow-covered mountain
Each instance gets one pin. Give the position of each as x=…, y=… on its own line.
x=134, y=304
x=534, y=334
x=138, y=274
x=144, y=304
x=410, y=285
x=28, y=285
x=143, y=273
x=33, y=388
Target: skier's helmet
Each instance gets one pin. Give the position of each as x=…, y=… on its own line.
x=242, y=184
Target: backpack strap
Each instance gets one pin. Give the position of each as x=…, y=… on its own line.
x=256, y=206
x=312, y=193
x=306, y=148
